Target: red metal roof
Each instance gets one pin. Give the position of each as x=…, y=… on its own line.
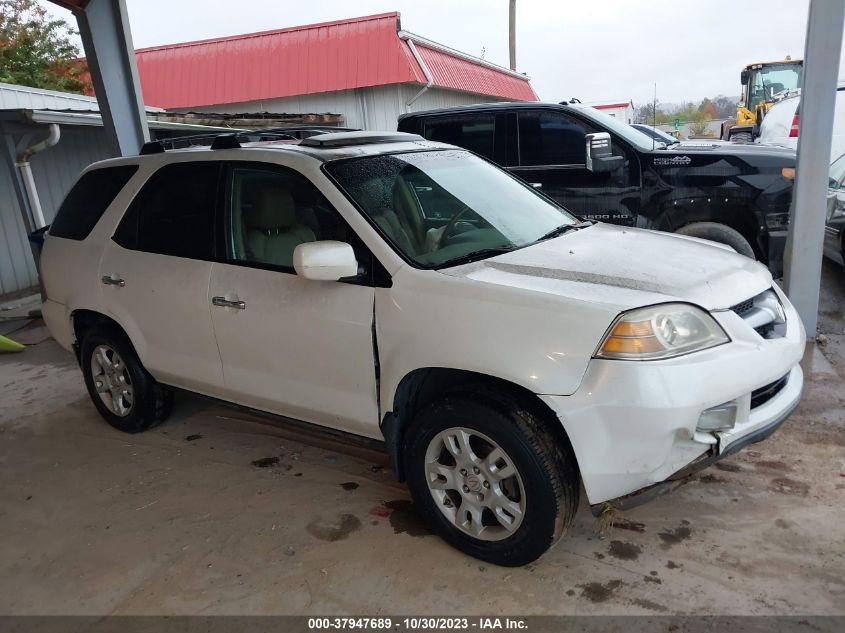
x=315, y=58
x=607, y=106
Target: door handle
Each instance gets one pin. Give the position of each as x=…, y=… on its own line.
x=111, y=280
x=223, y=302
x=537, y=185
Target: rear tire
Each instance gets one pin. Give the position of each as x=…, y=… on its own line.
x=520, y=489
x=720, y=233
x=123, y=392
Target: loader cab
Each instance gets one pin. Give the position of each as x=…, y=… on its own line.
x=761, y=83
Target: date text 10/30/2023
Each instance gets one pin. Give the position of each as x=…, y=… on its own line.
x=421, y=623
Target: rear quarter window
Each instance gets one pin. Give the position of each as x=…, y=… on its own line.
x=89, y=198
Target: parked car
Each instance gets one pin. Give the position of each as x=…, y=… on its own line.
x=381, y=287
x=655, y=133
x=834, y=230
x=738, y=195
x=782, y=124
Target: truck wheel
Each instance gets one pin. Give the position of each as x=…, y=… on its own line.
x=721, y=233
x=124, y=393
x=490, y=479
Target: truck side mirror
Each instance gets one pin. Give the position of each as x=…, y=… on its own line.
x=743, y=77
x=836, y=206
x=599, y=156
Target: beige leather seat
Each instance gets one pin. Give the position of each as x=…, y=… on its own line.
x=272, y=230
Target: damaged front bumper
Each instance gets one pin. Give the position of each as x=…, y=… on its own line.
x=637, y=428
x=717, y=452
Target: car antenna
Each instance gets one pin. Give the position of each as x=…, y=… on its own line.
x=654, y=118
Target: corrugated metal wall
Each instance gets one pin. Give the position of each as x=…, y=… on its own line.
x=374, y=108
x=13, y=97
x=55, y=170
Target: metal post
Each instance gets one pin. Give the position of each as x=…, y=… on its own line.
x=104, y=28
x=512, y=33
x=802, y=260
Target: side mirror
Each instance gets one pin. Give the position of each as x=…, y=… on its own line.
x=743, y=77
x=326, y=260
x=836, y=206
x=599, y=156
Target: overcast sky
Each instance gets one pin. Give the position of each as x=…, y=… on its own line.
x=600, y=50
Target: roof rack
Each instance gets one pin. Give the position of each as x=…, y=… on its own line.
x=218, y=140
x=346, y=139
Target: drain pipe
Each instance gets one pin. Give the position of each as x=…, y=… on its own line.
x=428, y=78
x=22, y=163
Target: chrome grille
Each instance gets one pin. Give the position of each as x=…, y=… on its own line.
x=743, y=308
x=764, y=313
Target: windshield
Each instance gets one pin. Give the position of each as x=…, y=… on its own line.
x=445, y=207
x=614, y=125
x=766, y=82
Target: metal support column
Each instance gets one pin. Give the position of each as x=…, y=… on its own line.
x=803, y=257
x=104, y=28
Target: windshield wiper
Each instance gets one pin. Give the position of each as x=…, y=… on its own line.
x=473, y=256
x=564, y=228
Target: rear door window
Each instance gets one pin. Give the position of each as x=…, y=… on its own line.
x=551, y=138
x=88, y=200
x=174, y=213
x=475, y=133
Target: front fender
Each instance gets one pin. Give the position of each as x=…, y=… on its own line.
x=541, y=342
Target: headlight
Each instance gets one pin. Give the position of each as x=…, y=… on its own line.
x=661, y=331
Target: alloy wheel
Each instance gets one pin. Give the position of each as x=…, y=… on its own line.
x=111, y=380
x=475, y=484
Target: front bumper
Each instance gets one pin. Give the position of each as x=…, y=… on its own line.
x=632, y=425
x=716, y=453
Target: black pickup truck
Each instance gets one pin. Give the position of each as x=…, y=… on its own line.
x=603, y=169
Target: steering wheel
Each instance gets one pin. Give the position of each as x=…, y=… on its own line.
x=450, y=225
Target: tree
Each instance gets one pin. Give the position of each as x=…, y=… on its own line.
x=707, y=108
x=725, y=107
x=645, y=113
x=36, y=50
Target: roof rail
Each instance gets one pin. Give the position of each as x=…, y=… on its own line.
x=346, y=139
x=233, y=140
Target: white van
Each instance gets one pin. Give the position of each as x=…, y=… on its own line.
x=782, y=124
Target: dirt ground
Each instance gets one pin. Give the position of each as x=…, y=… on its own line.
x=215, y=512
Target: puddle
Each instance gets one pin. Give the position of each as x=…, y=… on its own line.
x=265, y=462
x=675, y=536
x=787, y=486
x=624, y=551
x=597, y=592
x=335, y=530
x=405, y=520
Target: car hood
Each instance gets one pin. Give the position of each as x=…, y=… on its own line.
x=626, y=268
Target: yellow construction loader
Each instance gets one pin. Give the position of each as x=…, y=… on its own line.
x=762, y=85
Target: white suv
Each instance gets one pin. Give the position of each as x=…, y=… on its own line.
x=412, y=293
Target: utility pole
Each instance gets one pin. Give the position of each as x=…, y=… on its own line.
x=512, y=33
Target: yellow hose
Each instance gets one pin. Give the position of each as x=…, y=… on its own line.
x=8, y=345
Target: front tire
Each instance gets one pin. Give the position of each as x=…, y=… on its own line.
x=490, y=478
x=123, y=392
x=721, y=233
